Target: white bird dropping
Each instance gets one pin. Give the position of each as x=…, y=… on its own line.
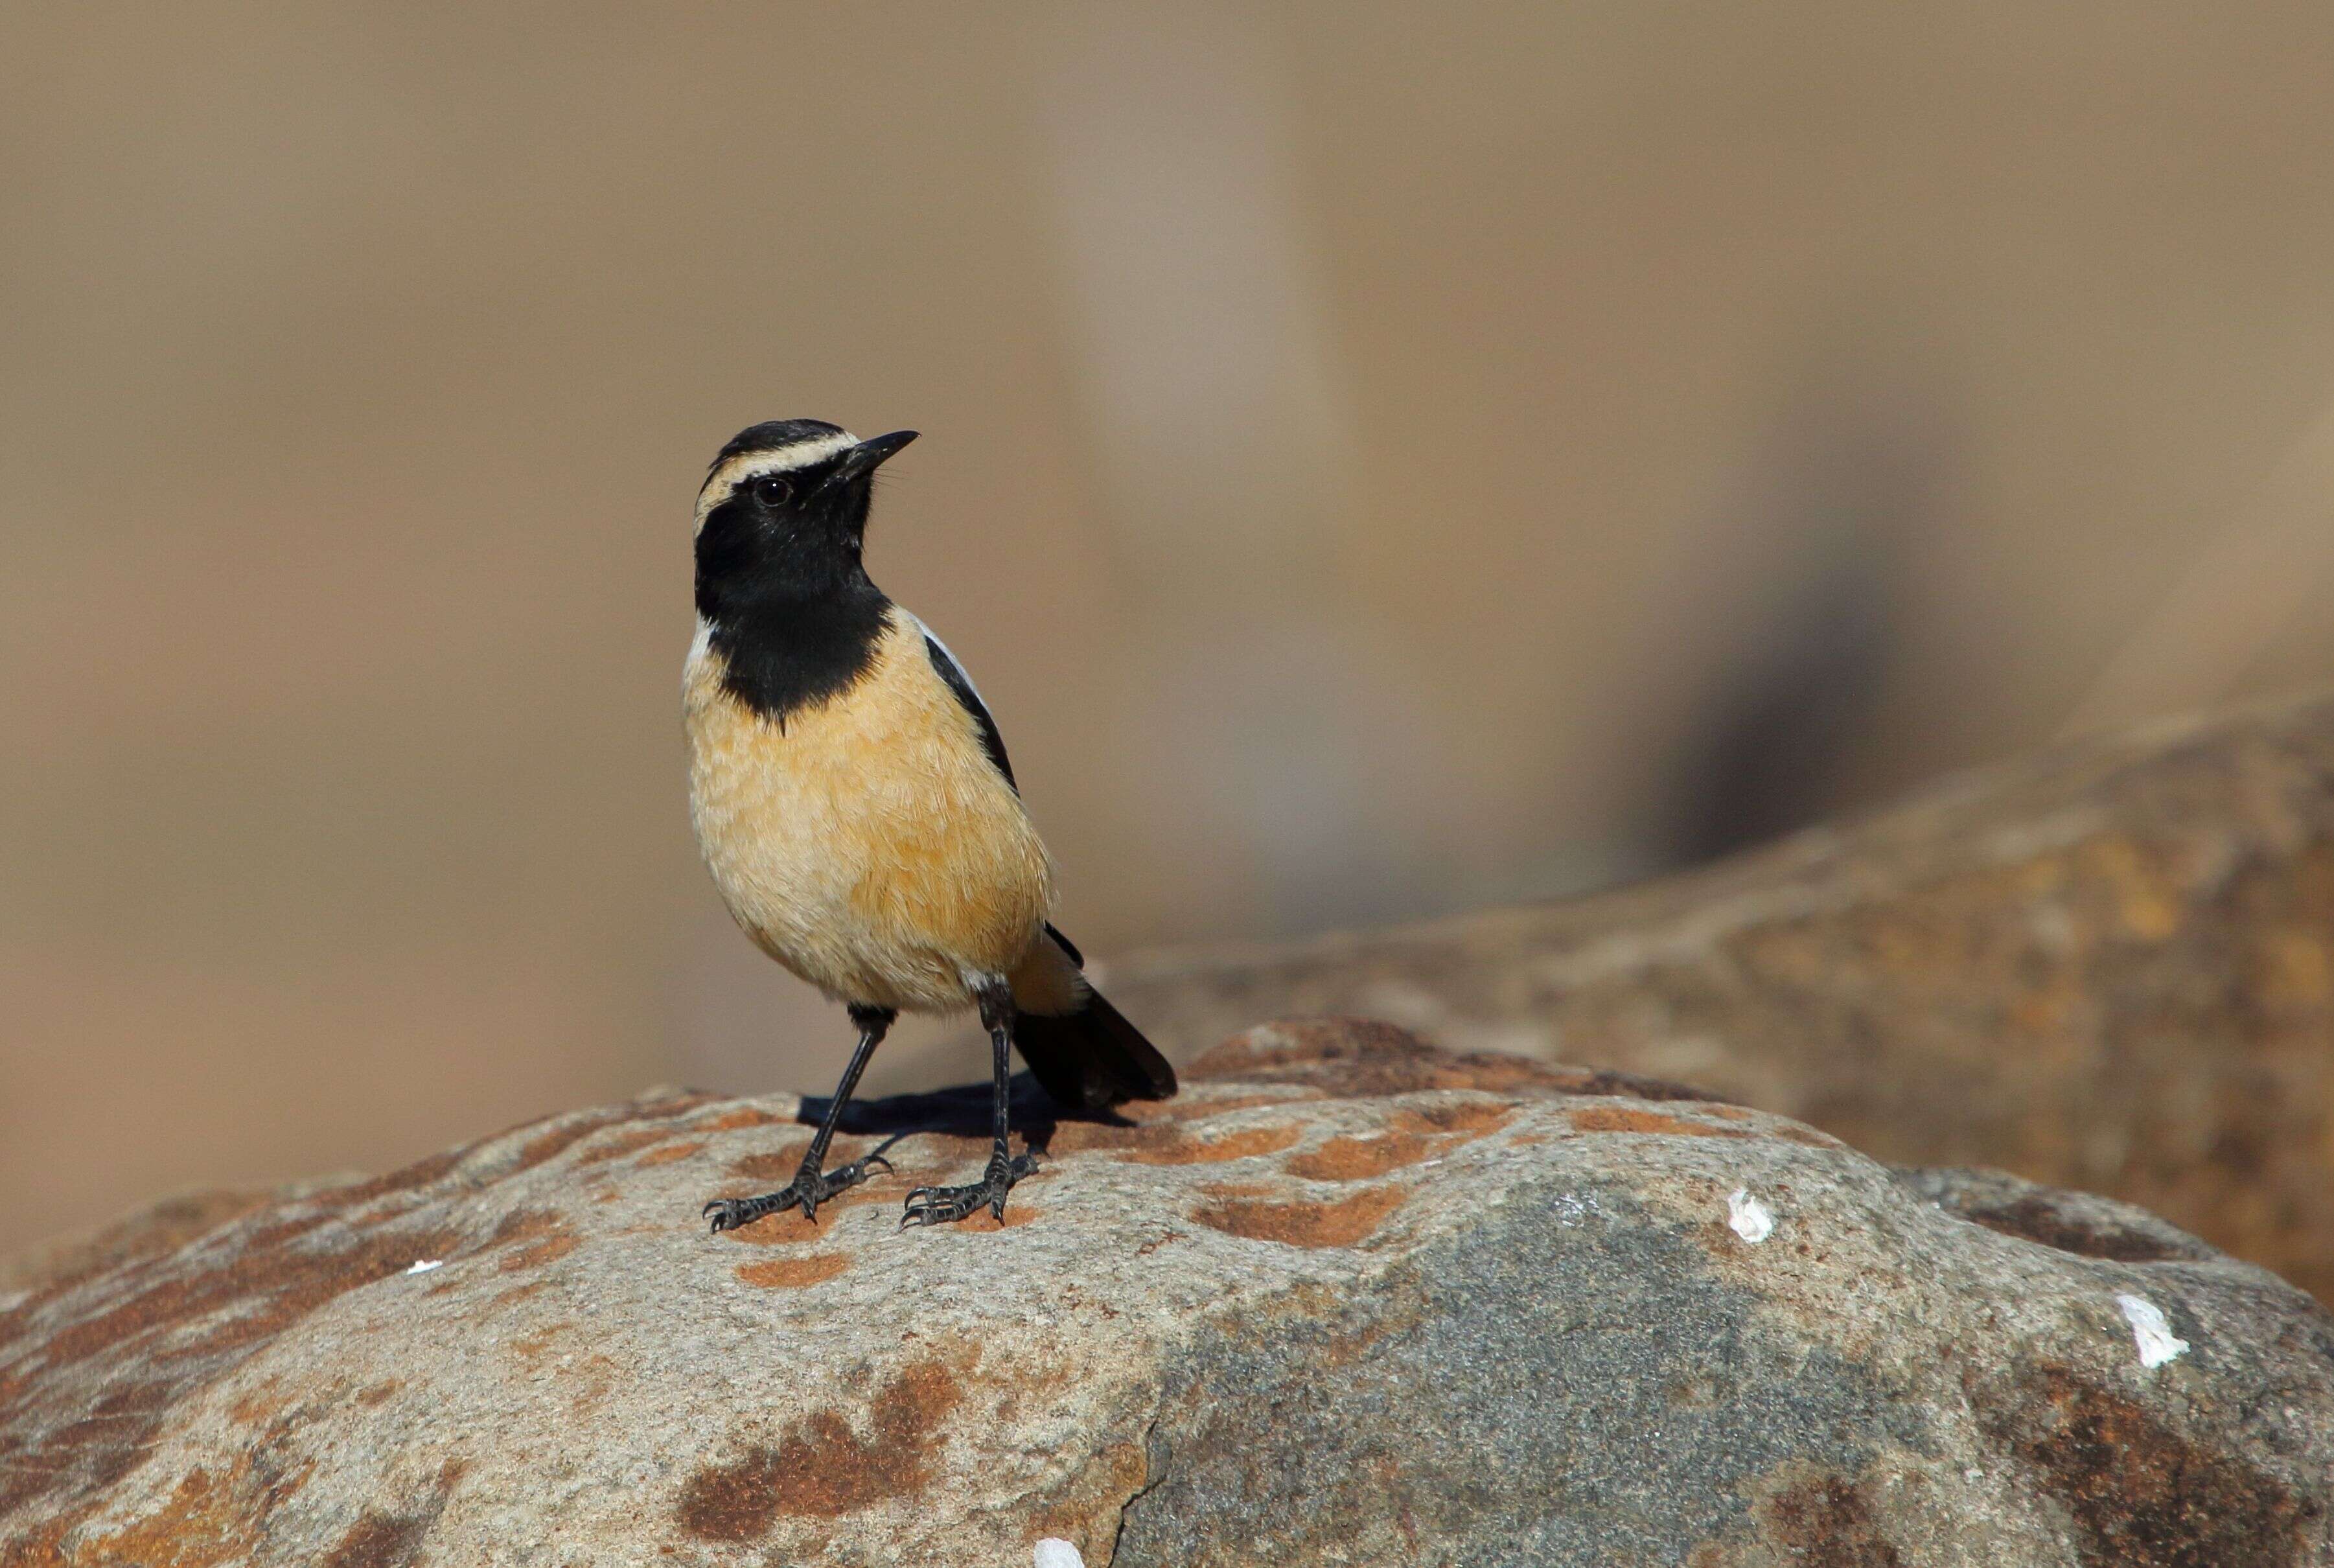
x=423, y=1266
x=2154, y=1336
x=1053, y=1552
x=1747, y=1218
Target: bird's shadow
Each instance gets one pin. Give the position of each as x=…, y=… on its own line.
x=962, y=1109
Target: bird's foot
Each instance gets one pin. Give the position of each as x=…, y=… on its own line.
x=943, y=1205
x=806, y=1191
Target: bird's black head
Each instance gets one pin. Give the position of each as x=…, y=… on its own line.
x=783, y=513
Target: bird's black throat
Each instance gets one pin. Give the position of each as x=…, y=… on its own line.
x=780, y=657
x=791, y=610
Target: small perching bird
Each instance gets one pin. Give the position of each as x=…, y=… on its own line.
x=854, y=801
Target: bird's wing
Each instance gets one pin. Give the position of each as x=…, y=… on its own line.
x=958, y=681
x=952, y=675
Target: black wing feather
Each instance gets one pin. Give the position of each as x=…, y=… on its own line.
x=1093, y=1059
x=960, y=683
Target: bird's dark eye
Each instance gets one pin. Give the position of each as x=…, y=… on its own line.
x=774, y=490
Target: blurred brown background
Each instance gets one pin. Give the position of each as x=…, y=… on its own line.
x=1380, y=459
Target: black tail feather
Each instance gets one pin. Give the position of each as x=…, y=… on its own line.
x=1093, y=1059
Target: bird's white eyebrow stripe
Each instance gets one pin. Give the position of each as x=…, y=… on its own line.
x=723, y=482
x=786, y=459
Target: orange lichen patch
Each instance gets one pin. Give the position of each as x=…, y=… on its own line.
x=773, y=1165
x=406, y=1179
x=525, y=1225
x=515, y=1295
x=670, y=1152
x=1412, y=1133
x=590, y=1384
x=268, y=1237
x=621, y=1144
x=206, y=1520
x=542, y=1234
x=1305, y=1224
x=565, y=1131
x=744, y=1116
x=571, y=1130
x=825, y=1467
x=1359, y=1158
x=1077, y=1137
x=1164, y=1135
x=1629, y=1119
x=1473, y=1117
x=42, y=1546
x=789, y=1226
x=794, y=1273
x=1015, y=1214
x=1830, y=1519
x=550, y=1249
x=532, y=1347
x=378, y=1540
x=2137, y=1489
x=261, y=1405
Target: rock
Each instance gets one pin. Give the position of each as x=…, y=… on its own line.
x=1347, y=1300
x=2108, y=966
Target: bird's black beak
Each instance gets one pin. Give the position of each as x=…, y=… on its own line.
x=870, y=455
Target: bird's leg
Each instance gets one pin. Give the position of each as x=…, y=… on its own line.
x=809, y=1189
x=938, y=1205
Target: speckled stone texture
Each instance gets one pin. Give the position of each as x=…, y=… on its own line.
x=1348, y=1300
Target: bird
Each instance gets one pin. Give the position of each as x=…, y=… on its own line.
x=853, y=801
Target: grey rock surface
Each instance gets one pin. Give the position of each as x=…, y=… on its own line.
x=1347, y=1301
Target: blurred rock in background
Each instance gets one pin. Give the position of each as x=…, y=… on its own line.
x=2109, y=965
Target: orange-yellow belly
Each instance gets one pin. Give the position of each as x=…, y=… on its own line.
x=871, y=847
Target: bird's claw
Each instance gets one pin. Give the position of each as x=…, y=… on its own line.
x=729, y=1213
x=946, y=1204
x=806, y=1191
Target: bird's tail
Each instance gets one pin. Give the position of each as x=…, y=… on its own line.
x=1091, y=1059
